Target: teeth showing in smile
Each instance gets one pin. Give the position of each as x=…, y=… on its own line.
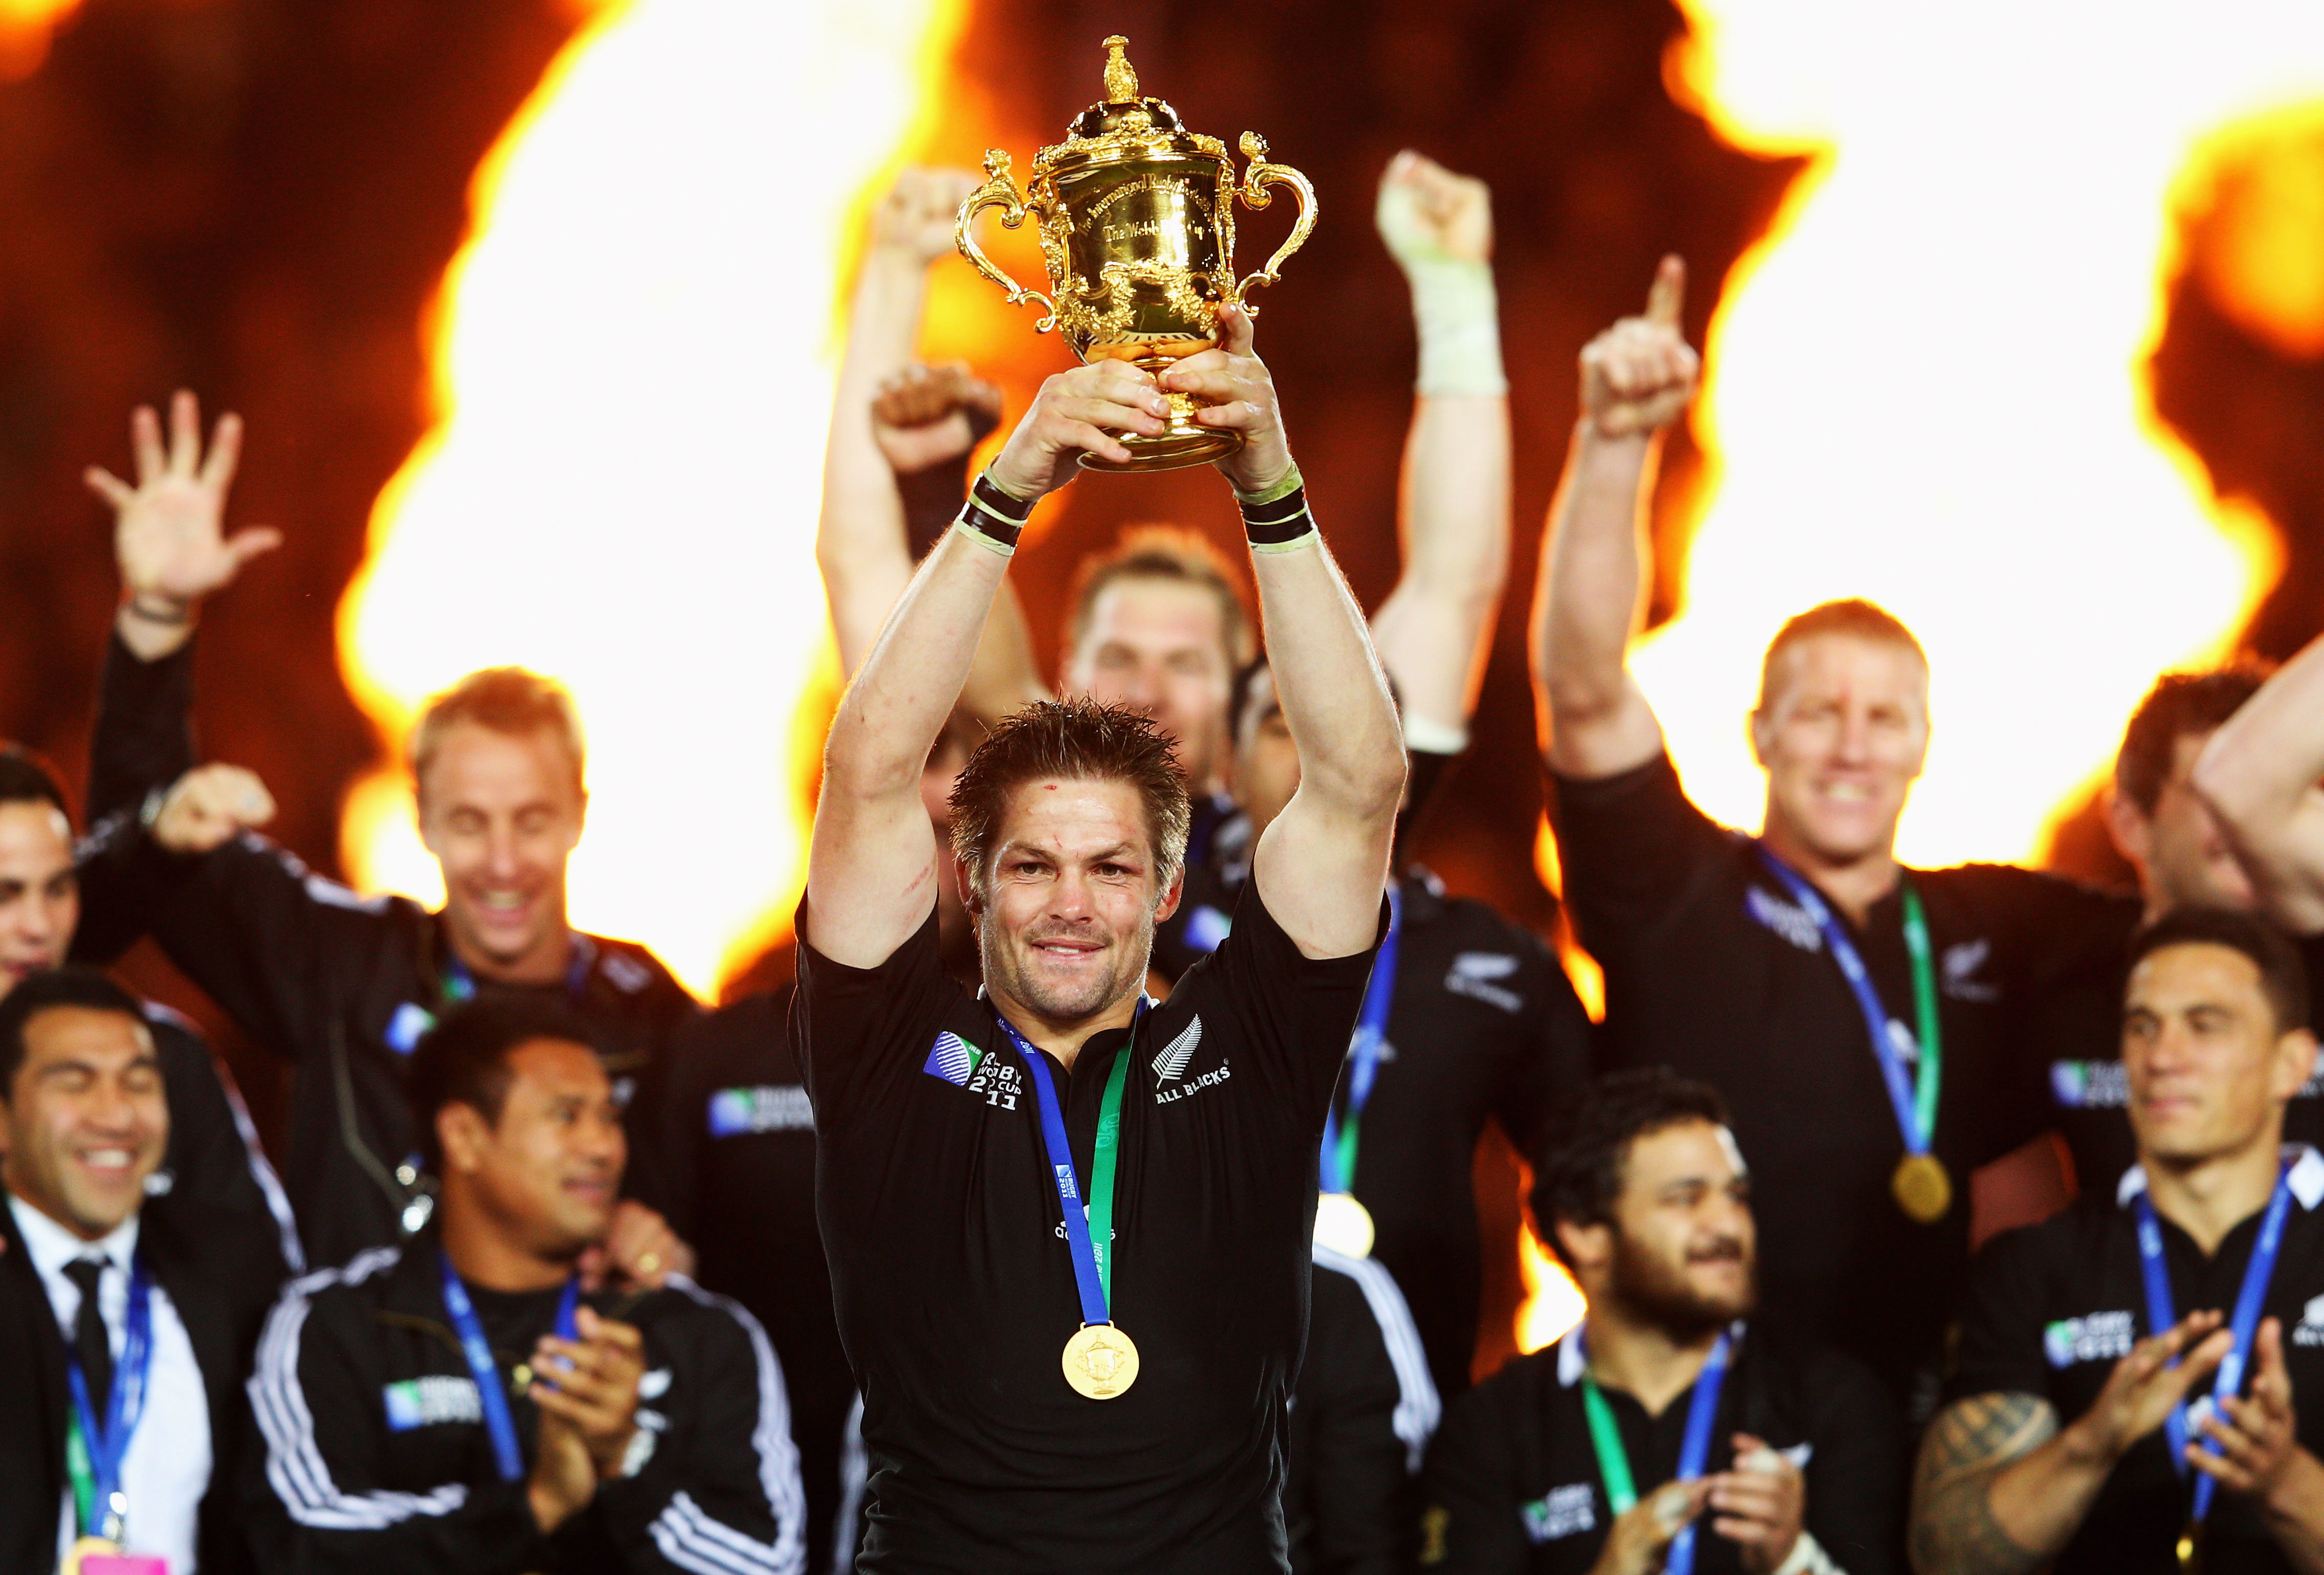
x=502, y=901
x=108, y=1158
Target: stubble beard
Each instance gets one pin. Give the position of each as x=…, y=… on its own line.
x=1004, y=968
x=1662, y=1296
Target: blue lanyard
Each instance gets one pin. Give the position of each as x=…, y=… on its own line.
x=108, y=1446
x=1337, y=1165
x=1089, y=1276
x=1901, y=1093
x=492, y=1396
x=1695, y=1445
x=2244, y=1325
x=460, y=985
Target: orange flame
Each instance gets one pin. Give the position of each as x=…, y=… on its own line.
x=26, y=27
x=1928, y=384
x=632, y=360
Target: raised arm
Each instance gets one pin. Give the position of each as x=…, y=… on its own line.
x=1321, y=865
x=2259, y=775
x=2001, y=1488
x=874, y=864
x=1636, y=377
x=1434, y=630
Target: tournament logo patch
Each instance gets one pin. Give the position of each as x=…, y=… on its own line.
x=737, y=1112
x=2089, y=1086
x=425, y=1401
x=1206, y=927
x=2096, y=1337
x=1561, y=1512
x=953, y=1059
x=2310, y=1330
x=1170, y=1062
x=405, y=1027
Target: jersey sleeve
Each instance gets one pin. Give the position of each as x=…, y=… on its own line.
x=1470, y=1520
x=1631, y=846
x=144, y=736
x=1295, y=1012
x=1554, y=1059
x=1359, y=1482
x=2001, y=1320
x=214, y=1159
x=721, y=1491
x=1856, y=1471
x=859, y=1031
x=317, y=1494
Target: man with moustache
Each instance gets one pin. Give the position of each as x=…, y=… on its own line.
x=462, y=1404
x=1033, y=1197
x=127, y=1320
x=1668, y=1431
x=340, y=985
x=1862, y=1019
x=2140, y=1381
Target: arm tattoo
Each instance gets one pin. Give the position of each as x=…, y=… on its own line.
x=1954, y=1532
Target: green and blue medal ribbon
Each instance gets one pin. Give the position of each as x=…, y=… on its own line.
x=1695, y=1445
x=492, y=1396
x=1337, y=1168
x=1089, y=1228
x=96, y=1448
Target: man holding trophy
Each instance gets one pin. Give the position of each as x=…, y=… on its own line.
x=1033, y=1195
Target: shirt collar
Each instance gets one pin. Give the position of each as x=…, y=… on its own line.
x=2307, y=1178
x=1572, y=1359
x=51, y=1245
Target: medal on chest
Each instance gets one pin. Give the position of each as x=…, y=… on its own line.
x=1920, y=1184
x=1100, y=1361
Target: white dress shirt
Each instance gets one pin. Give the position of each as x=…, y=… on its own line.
x=168, y=1468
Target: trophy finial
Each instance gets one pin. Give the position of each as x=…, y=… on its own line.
x=1120, y=79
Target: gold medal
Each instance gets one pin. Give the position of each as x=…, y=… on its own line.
x=1101, y=1362
x=1344, y=1225
x=1923, y=1191
x=87, y=1547
x=2191, y=1548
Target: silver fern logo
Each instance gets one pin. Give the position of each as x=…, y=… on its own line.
x=1170, y=1063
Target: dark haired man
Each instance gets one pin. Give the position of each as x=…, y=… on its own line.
x=997, y=1324
x=1804, y=970
x=340, y=985
x=460, y=1403
x=2140, y=1382
x=213, y=1153
x=1668, y=1431
x=127, y=1321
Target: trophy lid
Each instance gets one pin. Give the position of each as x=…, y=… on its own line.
x=1123, y=112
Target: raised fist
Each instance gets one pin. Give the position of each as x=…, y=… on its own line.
x=1640, y=374
x=915, y=217
x=926, y=414
x=208, y=807
x=1426, y=213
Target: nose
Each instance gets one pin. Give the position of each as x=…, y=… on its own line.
x=1855, y=737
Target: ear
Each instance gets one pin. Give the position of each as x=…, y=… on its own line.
x=1169, y=903
x=2127, y=827
x=1761, y=729
x=462, y=1136
x=964, y=876
x=419, y=819
x=2295, y=1063
x=1584, y=1246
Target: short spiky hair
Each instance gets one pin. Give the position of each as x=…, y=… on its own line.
x=504, y=700
x=1075, y=739
x=2283, y=975
x=2178, y=704
x=1855, y=616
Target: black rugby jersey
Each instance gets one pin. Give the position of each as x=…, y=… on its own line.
x=954, y=1282
x=1714, y=970
x=1513, y=1486
x=2052, y=1307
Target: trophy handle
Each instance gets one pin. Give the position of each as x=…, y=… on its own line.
x=1257, y=176
x=999, y=190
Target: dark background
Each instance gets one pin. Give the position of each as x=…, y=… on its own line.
x=257, y=198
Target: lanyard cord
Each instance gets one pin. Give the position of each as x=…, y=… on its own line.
x=1694, y=1447
x=1089, y=1228
x=1338, y=1168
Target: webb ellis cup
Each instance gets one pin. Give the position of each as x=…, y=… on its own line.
x=1137, y=227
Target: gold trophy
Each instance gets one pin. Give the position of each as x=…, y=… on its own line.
x=1136, y=226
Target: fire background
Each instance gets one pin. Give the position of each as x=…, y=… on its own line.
x=261, y=199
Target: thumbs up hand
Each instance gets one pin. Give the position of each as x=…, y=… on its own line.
x=1641, y=374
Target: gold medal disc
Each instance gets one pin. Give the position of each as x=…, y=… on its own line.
x=1344, y=1225
x=1101, y=1362
x=1923, y=1191
x=87, y=1547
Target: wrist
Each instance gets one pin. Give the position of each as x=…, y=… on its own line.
x=551, y=1507
x=154, y=607
x=1456, y=313
x=994, y=515
x=2297, y=1491
x=2091, y=1447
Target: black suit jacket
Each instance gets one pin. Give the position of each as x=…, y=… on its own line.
x=221, y=1277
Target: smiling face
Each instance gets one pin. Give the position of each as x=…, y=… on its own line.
x=1066, y=913
x=87, y=1120
x=501, y=812
x=1159, y=646
x=548, y=1172
x=2209, y=1073
x=1681, y=1248
x=40, y=898
x=1843, y=732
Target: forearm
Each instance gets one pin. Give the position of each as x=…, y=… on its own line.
x=1593, y=575
x=1980, y=1518
x=2258, y=775
x=1434, y=631
x=2295, y=1511
x=860, y=536
x=144, y=735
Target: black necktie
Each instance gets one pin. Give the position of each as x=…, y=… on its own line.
x=90, y=1344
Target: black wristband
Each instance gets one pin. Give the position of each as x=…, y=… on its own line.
x=1278, y=523
x=994, y=515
